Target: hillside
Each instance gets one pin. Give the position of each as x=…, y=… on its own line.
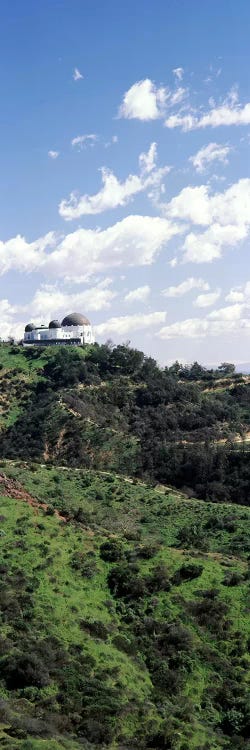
x=125, y=603
x=114, y=409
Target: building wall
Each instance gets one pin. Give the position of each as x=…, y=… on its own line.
x=84, y=333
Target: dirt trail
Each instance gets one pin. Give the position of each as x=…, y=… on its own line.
x=12, y=488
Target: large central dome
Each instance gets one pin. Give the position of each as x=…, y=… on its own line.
x=75, y=319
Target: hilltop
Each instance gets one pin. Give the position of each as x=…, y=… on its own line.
x=114, y=409
x=124, y=600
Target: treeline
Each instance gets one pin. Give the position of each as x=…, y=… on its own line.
x=108, y=407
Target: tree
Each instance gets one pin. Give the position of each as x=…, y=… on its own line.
x=226, y=368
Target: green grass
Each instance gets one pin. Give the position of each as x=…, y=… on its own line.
x=118, y=505
x=56, y=584
x=137, y=515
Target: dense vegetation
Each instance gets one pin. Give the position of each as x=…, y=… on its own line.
x=124, y=604
x=113, y=408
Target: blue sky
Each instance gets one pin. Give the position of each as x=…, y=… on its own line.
x=124, y=183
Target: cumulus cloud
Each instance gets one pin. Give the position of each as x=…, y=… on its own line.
x=143, y=101
x=207, y=300
x=208, y=154
x=77, y=76
x=51, y=301
x=147, y=161
x=204, y=247
x=197, y=204
x=226, y=216
x=83, y=140
x=230, y=112
x=128, y=323
x=134, y=241
x=178, y=73
x=230, y=319
x=17, y=254
x=10, y=326
x=235, y=295
x=53, y=154
x=231, y=312
x=191, y=204
x=115, y=193
x=184, y=287
x=140, y=294
x=198, y=328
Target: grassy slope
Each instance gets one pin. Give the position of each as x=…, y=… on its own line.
x=138, y=515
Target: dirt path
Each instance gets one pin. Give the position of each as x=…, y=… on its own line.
x=12, y=488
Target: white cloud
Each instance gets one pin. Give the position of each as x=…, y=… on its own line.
x=114, y=140
x=134, y=241
x=19, y=255
x=177, y=96
x=230, y=112
x=77, y=75
x=50, y=301
x=231, y=312
x=192, y=203
x=199, y=328
x=83, y=140
x=207, y=300
x=9, y=327
x=197, y=205
x=140, y=294
x=189, y=328
x=233, y=319
x=235, y=295
x=129, y=323
x=147, y=161
x=143, y=101
x=208, y=154
x=226, y=214
x=115, y=193
x=173, y=262
x=204, y=247
x=184, y=287
x=178, y=73
x=53, y=154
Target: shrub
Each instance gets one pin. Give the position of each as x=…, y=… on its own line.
x=111, y=551
x=124, y=581
x=159, y=579
x=187, y=572
x=24, y=670
x=233, y=578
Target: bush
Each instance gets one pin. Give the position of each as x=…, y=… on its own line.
x=124, y=581
x=24, y=670
x=187, y=572
x=159, y=579
x=233, y=578
x=111, y=551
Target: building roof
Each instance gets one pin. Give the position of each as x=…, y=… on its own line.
x=55, y=324
x=29, y=327
x=75, y=319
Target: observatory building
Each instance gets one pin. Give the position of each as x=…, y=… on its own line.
x=75, y=329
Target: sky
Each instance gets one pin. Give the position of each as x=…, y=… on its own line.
x=125, y=172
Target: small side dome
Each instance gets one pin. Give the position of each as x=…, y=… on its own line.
x=75, y=319
x=55, y=324
x=29, y=327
